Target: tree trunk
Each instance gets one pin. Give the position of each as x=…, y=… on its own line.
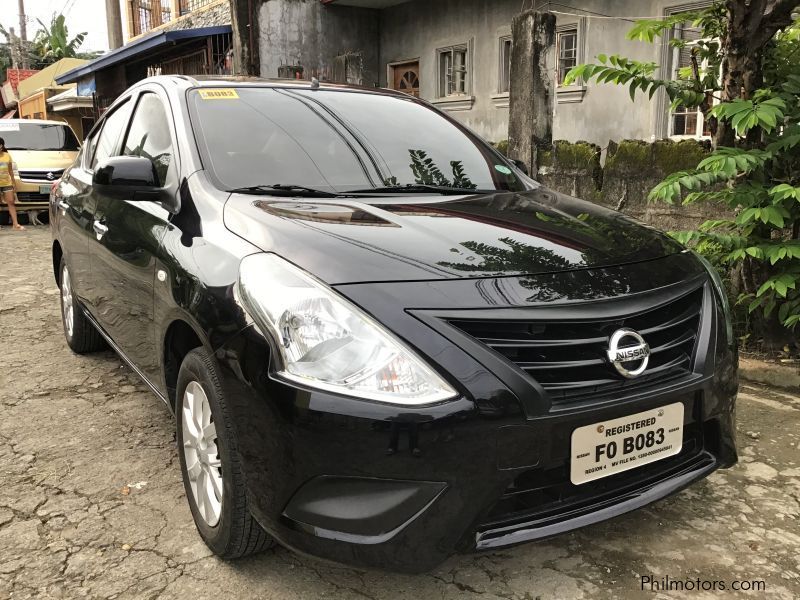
x=742, y=75
x=750, y=25
x=742, y=65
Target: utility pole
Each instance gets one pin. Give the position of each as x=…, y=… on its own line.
x=23, y=35
x=113, y=23
x=530, y=120
x=14, y=48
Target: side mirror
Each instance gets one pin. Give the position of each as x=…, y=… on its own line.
x=126, y=172
x=520, y=165
x=131, y=178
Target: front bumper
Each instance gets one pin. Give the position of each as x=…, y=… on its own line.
x=31, y=195
x=377, y=486
x=403, y=488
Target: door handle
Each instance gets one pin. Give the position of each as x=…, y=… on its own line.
x=99, y=229
x=63, y=205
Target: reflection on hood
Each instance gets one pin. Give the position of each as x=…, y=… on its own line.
x=402, y=237
x=337, y=214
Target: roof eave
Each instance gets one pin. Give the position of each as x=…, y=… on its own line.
x=137, y=47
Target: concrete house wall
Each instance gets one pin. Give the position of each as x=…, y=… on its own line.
x=311, y=34
x=595, y=113
x=306, y=33
x=417, y=29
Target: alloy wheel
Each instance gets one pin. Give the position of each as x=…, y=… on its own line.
x=66, y=302
x=203, y=465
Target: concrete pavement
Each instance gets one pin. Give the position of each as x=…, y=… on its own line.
x=91, y=502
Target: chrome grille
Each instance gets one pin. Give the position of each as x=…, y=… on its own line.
x=25, y=197
x=568, y=357
x=40, y=176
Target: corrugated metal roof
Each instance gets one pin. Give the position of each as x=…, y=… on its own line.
x=137, y=47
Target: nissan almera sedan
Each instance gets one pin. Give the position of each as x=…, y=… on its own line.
x=383, y=343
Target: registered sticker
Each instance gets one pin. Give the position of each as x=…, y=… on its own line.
x=219, y=94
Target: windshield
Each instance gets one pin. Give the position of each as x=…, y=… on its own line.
x=38, y=136
x=339, y=141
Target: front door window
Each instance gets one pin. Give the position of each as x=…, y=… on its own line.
x=149, y=137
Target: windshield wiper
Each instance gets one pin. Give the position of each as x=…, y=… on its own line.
x=284, y=190
x=421, y=188
x=309, y=192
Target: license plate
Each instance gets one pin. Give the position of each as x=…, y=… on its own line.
x=44, y=189
x=610, y=447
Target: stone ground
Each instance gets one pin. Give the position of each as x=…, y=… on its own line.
x=91, y=503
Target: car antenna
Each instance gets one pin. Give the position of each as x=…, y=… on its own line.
x=314, y=83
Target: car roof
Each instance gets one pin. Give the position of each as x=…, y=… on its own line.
x=35, y=121
x=215, y=81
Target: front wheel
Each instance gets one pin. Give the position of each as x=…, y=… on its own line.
x=82, y=336
x=210, y=462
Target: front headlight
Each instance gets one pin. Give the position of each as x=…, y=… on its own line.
x=719, y=286
x=328, y=343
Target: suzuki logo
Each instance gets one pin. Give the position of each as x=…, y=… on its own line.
x=635, y=350
x=50, y=176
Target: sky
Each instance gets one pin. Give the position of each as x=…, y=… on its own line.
x=82, y=15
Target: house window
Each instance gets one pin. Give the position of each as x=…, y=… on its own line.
x=166, y=11
x=567, y=43
x=453, y=71
x=141, y=16
x=504, y=84
x=569, y=52
x=187, y=6
x=687, y=121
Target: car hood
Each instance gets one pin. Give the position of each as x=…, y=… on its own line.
x=406, y=238
x=42, y=159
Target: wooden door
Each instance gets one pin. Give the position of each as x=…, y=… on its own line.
x=406, y=78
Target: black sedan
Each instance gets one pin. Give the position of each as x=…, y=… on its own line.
x=382, y=341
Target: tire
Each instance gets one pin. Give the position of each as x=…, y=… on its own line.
x=227, y=527
x=82, y=336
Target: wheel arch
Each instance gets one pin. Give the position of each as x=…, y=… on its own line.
x=180, y=338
